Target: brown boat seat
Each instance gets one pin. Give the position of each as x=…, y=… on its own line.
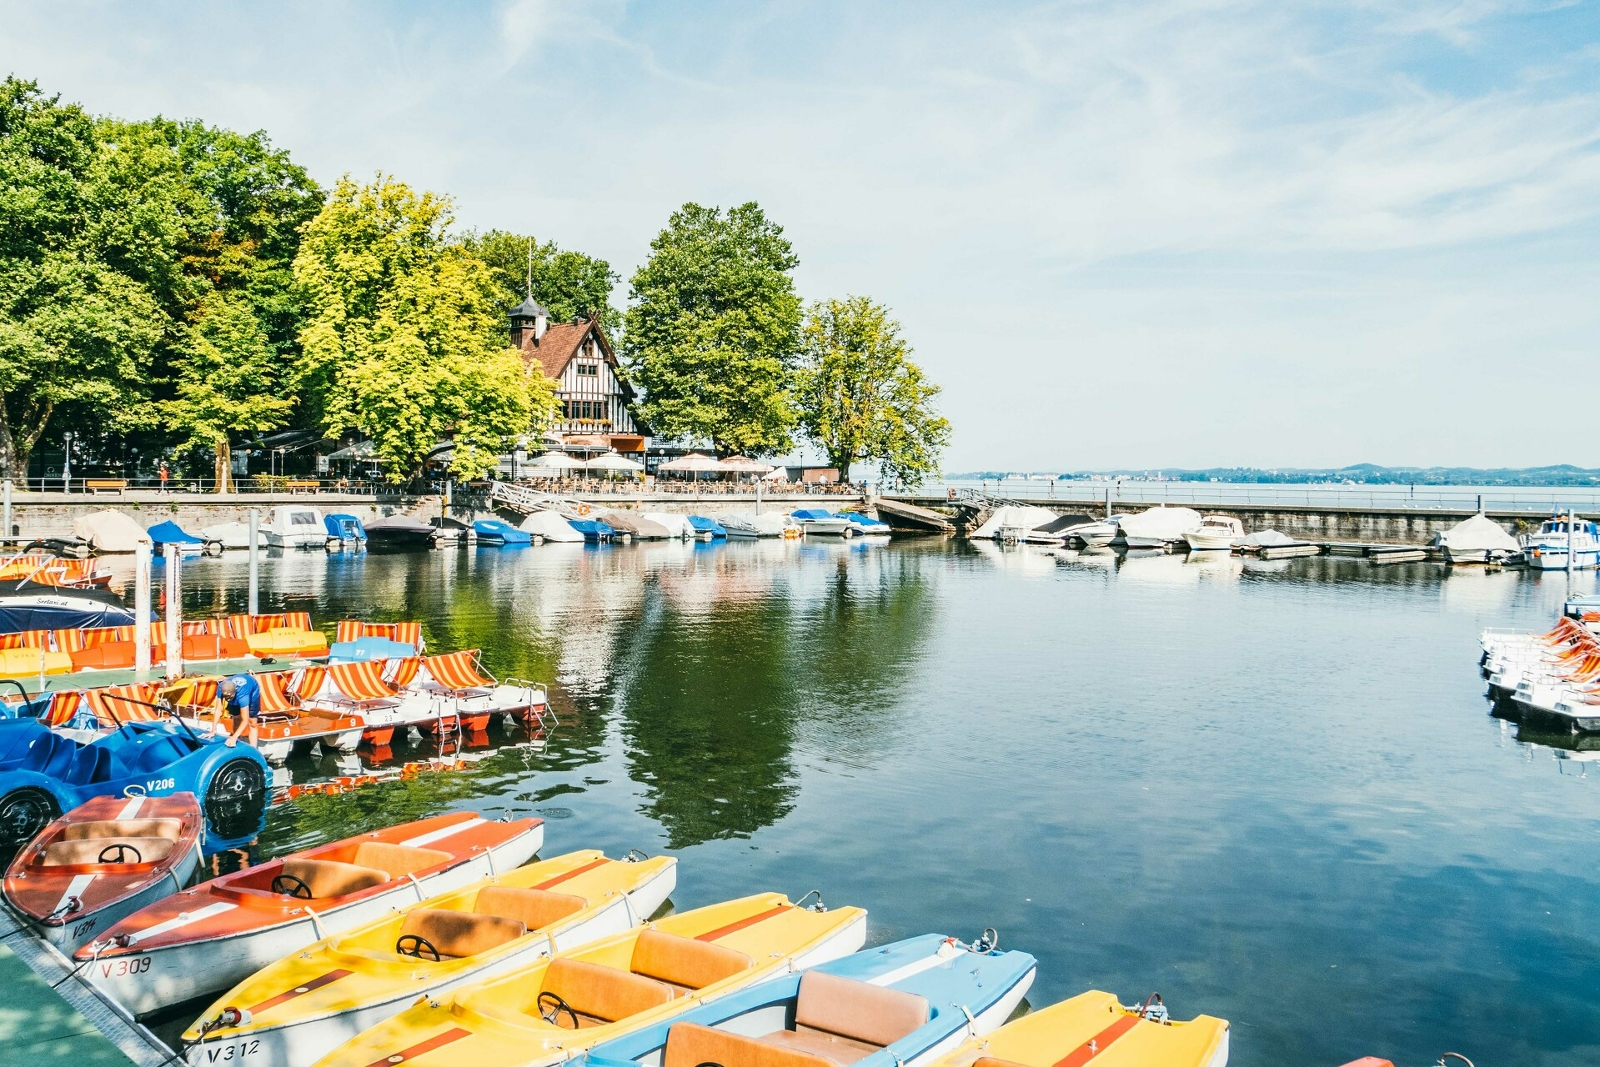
x=398, y=860
x=168, y=828
x=601, y=995
x=455, y=934
x=64, y=853
x=533, y=908
x=690, y=1044
x=330, y=878
x=843, y=1020
x=684, y=963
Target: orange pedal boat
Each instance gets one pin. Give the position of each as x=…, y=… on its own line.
x=102, y=861
x=215, y=935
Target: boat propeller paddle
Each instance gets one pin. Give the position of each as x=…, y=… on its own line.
x=988, y=941
x=818, y=906
x=636, y=855
x=1154, y=1009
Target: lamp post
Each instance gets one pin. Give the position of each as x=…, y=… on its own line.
x=66, y=465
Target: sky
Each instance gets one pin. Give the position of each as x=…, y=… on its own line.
x=1119, y=234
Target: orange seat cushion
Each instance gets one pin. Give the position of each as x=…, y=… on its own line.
x=79, y=831
x=684, y=962
x=855, y=1010
x=689, y=1045
x=148, y=850
x=534, y=908
x=329, y=878
x=601, y=994
x=398, y=860
x=455, y=934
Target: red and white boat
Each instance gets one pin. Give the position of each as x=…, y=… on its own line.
x=102, y=861
x=213, y=936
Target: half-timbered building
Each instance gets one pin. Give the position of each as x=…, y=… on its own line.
x=596, y=404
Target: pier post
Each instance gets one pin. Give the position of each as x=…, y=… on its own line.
x=1569, y=542
x=174, y=616
x=1108, y=502
x=7, y=531
x=141, y=608
x=255, y=561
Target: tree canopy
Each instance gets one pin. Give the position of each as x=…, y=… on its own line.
x=569, y=284
x=403, y=340
x=861, y=397
x=712, y=329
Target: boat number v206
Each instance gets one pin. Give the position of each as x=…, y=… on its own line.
x=155, y=785
x=236, y=1051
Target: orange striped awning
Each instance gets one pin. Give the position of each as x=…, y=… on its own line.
x=123, y=703
x=400, y=673
x=308, y=682
x=355, y=629
x=458, y=670
x=275, y=696
x=360, y=681
x=63, y=706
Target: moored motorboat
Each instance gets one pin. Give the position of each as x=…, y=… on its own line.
x=820, y=522
x=865, y=525
x=102, y=861
x=1478, y=539
x=1547, y=550
x=1091, y=534
x=353, y=981
x=1158, y=527
x=233, y=535
x=705, y=529
x=739, y=528
x=211, y=936
x=295, y=526
x=551, y=1010
x=496, y=533
x=903, y=1003
x=1216, y=533
x=1095, y=1027
x=399, y=533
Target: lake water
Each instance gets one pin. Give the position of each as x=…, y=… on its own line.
x=1271, y=791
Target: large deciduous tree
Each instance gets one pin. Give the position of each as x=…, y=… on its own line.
x=712, y=329
x=75, y=331
x=404, y=340
x=860, y=396
x=569, y=284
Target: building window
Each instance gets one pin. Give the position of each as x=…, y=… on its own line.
x=588, y=370
x=594, y=410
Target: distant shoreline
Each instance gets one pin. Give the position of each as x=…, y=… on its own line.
x=1360, y=474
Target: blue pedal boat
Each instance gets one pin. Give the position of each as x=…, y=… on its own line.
x=495, y=532
x=898, y=1005
x=43, y=773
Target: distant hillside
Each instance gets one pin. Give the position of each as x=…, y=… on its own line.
x=1359, y=473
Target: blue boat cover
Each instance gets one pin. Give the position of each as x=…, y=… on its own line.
x=344, y=526
x=170, y=533
x=701, y=524
x=363, y=649
x=495, y=530
x=812, y=513
x=592, y=529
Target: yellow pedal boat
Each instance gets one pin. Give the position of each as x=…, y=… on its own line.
x=1094, y=1029
x=556, y=1008
x=306, y=1005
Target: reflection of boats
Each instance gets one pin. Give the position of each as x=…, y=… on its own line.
x=1547, y=549
x=550, y=1011
x=898, y=1003
x=426, y=948
x=1215, y=533
x=1098, y=1024
x=295, y=526
x=228, y=928
x=104, y=860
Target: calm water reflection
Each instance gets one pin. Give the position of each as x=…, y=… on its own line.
x=1272, y=791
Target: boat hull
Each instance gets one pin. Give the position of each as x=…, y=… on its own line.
x=147, y=980
x=1206, y=542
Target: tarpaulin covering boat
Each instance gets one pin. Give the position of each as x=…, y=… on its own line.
x=109, y=531
x=1018, y=518
x=170, y=533
x=1158, y=527
x=1477, y=540
x=550, y=526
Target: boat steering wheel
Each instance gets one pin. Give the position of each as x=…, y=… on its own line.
x=290, y=886
x=557, y=1006
x=120, y=850
x=413, y=945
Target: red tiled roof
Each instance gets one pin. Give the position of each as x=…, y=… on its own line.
x=556, y=348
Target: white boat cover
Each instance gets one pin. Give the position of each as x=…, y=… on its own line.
x=1013, y=517
x=675, y=525
x=1266, y=538
x=1160, y=523
x=550, y=526
x=771, y=523
x=110, y=531
x=234, y=534
x=1478, y=534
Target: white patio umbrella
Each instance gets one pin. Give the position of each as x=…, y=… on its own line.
x=694, y=463
x=614, y=463
x=745, y=465
x=553, y=461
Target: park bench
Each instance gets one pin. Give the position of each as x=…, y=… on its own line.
x=105, y=485
x=303, y=485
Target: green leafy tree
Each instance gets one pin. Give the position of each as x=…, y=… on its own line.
x=861, y=397
x=569, y=284
x=712, y=329
x=404, y=341
x=77, y=331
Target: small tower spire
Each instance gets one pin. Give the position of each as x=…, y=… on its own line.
x=530, y=268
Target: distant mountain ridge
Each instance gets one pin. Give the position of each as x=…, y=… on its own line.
x=1360, y=473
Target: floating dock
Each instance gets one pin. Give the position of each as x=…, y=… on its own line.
x=52, y=1016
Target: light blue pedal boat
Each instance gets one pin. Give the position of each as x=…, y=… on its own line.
x=898, y=1005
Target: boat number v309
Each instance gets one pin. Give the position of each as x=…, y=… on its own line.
x=232, y=1052
x=118, y=968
